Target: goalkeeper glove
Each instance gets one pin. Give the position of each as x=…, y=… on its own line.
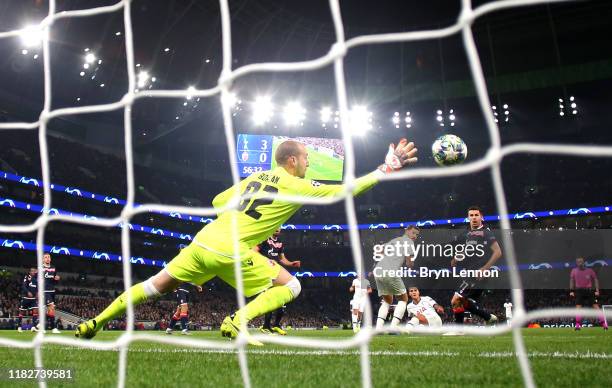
x=399, y=156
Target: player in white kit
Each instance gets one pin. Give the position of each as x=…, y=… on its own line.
x=423, y=310
x=361, y=290
x=392, y=286
x=508, y=307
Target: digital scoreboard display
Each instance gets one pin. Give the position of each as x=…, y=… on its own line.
x=325, y=156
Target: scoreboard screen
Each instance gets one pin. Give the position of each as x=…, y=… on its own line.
x=256, y=153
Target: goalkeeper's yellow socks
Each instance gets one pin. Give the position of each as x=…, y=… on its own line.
x=139, y=293
x=267, y=301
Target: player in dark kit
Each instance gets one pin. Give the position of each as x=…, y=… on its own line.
x=272, y=248
x=182, y=309
x=51, y=279
x=28, y=299
x=470, y=290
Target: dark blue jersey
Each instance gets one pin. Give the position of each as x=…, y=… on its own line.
x=271, y=248
x=29, y=285
x=49, y=274
x=481, y=239
x=182, y=294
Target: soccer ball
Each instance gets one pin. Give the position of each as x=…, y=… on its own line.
x=448, y=150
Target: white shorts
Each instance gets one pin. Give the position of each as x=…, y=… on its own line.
x=358, y=304
x=432, y=321
x=390, y=286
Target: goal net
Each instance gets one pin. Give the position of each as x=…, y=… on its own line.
x=334, y=57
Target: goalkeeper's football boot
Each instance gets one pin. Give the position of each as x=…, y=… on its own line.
x=87, y=329
x=230, y=330
x=278, y=330
x=265, y=330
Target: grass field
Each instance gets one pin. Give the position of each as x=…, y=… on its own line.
x=559, y=358
x=321, y=166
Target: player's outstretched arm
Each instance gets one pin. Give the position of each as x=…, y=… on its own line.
x=397, y=157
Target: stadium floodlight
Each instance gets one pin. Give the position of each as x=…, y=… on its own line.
x=142, y=78
x=262, y=110
x=31, y=36
x=167, y=49
x=505, y=106
x=408, y=120
x=82, y=73
x=190, y=91
x=35, y=56
x=294, y=113
x=24, y=52
x=396, y=119
x=326, y=114
x=360, y=120
x=85, y=65
x=90, y=58
x=230, y=99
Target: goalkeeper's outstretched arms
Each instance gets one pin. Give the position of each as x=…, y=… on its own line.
x=294, y=157
x=404, y=154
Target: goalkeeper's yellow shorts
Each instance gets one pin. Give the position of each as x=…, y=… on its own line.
x=197, y=265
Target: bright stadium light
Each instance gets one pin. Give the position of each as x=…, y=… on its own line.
x=31, y=36
x=230, y=99
x=396, y=119
x=360, y=120
x=326, y=114
x=262, y=110
x=294, y=114
x=90, y=58
x=190, y=91
x=408, y=120
x=142, y=78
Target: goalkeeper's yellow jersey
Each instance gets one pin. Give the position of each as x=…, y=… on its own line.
x=257, y=218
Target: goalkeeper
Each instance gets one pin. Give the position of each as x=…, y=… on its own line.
x=211, y=253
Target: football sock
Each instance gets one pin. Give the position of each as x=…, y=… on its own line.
x=140, y=293
x=279, y=315
x=267, y=321
x=383, y=311
x=267, y=301
x=51, y=320
x=459, y=315
x=398, y=314
x=602, y=321
x=183, y=321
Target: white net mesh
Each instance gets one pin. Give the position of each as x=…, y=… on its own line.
x=336, y=55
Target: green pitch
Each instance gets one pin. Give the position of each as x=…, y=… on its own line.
x=321, y=166
x=559, y=358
